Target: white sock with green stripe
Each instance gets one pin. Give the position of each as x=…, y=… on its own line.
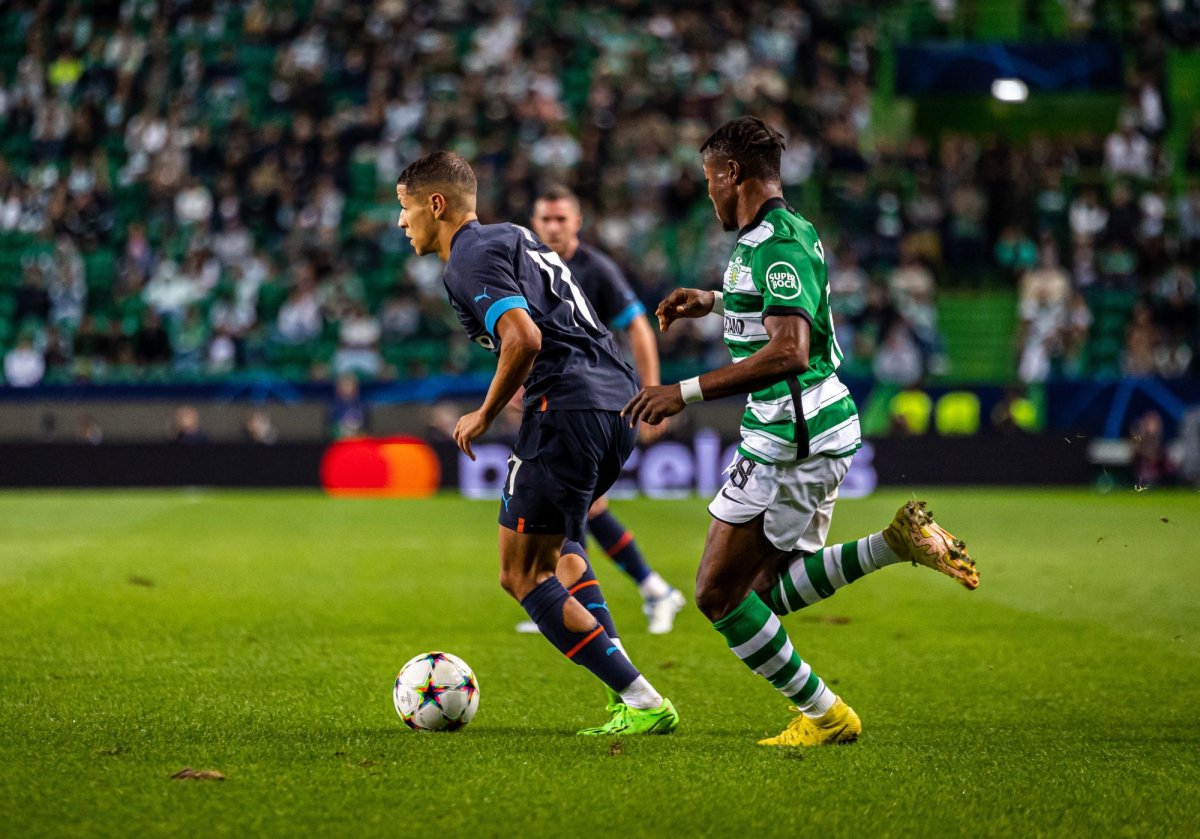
x=810, y=578
x=757, y=637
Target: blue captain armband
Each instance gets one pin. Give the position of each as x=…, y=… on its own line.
x=500, y=307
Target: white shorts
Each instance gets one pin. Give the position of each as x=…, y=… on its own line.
x=796, y=497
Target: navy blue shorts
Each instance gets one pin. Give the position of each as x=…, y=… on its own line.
x=562, y=460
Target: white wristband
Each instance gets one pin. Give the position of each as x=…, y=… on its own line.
x=718, y=303
x=689, y=389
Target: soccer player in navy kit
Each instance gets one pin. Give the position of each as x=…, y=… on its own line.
x=557, y=220
x=514, y=295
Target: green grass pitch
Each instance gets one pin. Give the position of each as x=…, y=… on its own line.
x=259, y=633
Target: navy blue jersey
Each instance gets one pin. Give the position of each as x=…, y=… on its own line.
x=494, y=268
x=605, y=286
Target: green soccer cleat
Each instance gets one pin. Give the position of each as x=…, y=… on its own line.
x=661, y=720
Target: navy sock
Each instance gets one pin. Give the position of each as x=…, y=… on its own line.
x=618, y=543
x=587, y=590
x=593, y=649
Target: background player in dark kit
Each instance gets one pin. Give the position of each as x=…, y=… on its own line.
x=557, y=220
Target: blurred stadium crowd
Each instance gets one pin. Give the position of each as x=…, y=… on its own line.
x=194, y=189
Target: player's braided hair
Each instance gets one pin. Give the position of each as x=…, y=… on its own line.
x=440, y=169
x=755, y=145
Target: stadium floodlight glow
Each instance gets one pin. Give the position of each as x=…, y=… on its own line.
x=1010, y=90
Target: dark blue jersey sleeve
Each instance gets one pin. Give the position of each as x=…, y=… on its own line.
x=483, y=286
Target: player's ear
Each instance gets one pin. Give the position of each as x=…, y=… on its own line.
x=437, y=205
x=734, y=170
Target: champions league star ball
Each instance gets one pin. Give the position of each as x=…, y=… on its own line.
x=436, y=692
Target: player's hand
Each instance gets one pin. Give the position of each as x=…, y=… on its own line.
x=470, y=427
x=654, y=404
x=684, y=303
x=648, y=434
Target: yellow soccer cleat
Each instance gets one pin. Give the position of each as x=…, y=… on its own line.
x=839, y=725
x=914, y=536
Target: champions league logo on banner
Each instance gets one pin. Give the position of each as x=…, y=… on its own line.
x=666, y=469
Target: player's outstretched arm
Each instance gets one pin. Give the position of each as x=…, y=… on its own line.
x=644, y=347
x=684, y=303
x=520, y=342
x=786, y=354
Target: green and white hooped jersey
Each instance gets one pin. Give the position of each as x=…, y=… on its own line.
x=778, y=267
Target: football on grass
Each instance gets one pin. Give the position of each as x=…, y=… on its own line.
x=436, y=691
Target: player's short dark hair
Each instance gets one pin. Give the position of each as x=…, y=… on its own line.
x=755, y=145
x=445, y=169
x=557, y=192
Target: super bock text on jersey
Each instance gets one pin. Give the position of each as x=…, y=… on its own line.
x=572, y=441
x=778, y=268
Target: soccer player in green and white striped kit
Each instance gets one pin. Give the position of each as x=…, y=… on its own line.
x=765, y=554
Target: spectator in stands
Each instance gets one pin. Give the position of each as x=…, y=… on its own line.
x=358, y=344
x=348, y=413
x=1123, y=217
x=1088, y=217
x=24, y=365
x=1074, y=336
x=189, y=341
x=847, y=292
x=1047, y=281
x=170, y=291
x=67, y=289
x=966, y=236
x=1174, y=300
x=233, y=319
x=89, y=431
x=913, y=292
x=1187, y=209
x=152, y=344
x=401, y=317
x=1141, y=343
x=32, y=299
x=1084, y=272
x=258, y=428
x=299, y=317
x=1043, y=314
x=1126, y=151
x=1015, y=251
x=899, y=361
x=185, y=427
x=1191, y=158
x=1151, y=109
x=222, y=353
x=56, y=350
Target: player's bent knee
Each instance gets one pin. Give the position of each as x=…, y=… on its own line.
x=714, y=603
x=571, y=566
x=517, y=582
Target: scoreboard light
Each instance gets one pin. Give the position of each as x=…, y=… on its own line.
x=1010, y=90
